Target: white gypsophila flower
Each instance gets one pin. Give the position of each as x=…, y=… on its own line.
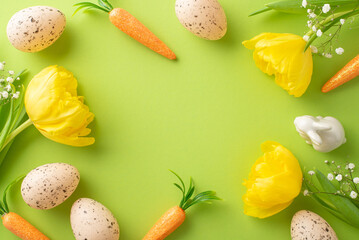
x=11, y=72
x=304, y=3
x=356, y=180
x=16, y=95
x=311, y=173
x=326, y=8
x=2, y=66
x=330, y=176
x=342, y=21
x=7, y=88
x=314, y=28
x=309, y=10
x=306, y=192
x=327, y=55
x=312, y=15
x=306, y=38
x=353, y=195
x=319, y=33
x=5, y=94
x=339, y=51
x=10, y=80
x=351, y=165
x=314, y=50
x=18, y=78
x=309, y=23
x=325, y=161
x=339, y=177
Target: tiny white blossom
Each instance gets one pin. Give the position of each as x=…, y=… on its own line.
x=333, y=162
x=342, y=21
x=7, y=88
x=326, y=8
x=319, y=33
x=353, y=195
x=304, y=3
x=326, y=161
x=18, y=78
x=351, y=165
x=312, y=15
x=328, y=55
x=311, y=173
x=16, y=95
x=1, y=66
x=306, y=38
x=309, y=23
x=305, y=192
x=11, y=72
x=339, y=177
x=10, y=80
x=5, y=94
x=356, y=180
x=339, y=51
x=314, y=28
x=315, y=50
x=309, y=10
x=330, y=176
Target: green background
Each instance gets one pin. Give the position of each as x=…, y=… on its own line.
x=204, y=115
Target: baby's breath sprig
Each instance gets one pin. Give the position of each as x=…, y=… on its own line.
x=337, y=191
x=12, y=110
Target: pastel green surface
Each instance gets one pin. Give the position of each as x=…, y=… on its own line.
x=204, y=115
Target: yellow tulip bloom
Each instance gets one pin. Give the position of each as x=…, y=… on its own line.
x=274, y=181
x=283, y=55
x=54, y=108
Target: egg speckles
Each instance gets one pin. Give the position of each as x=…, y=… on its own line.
x=92, y=221
x=49, y=185
x=35, y=28
x=204, y=18
x=308, y=225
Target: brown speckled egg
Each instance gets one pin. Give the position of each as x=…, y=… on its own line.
x=35, y=28
x=92, y=221
x=49, y=185
x=308, y=225
x=204, y=18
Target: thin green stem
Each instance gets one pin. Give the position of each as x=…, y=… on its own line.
x=16, y=132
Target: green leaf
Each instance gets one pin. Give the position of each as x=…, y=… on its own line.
x=7, y=127
x=6, y=191
x=343, y=205
x=88, y=5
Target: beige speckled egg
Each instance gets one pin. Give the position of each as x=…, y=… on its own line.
x=35, y=28
x=308, y=225
x=49, y=185
x=92, y=221
x=204, y=18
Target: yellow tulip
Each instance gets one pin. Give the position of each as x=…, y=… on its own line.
x=54, y=108
x=283, y=55
x=274, y=181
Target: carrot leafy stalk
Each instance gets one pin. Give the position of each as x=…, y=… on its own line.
x=176, y=215
x=128, y=24
x=347, y=73
x=15, y=223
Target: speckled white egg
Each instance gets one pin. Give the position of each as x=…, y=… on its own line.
x=35, y=28
x=204, y=18
x=49, y=185
x=92, y=221
x=308, y=225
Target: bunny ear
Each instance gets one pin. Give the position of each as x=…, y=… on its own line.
x=320, y=126
x=316, y=139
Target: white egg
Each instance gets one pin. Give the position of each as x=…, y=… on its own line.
x=204, y=18
x=35, y=28
x=49, y=185
x=92, y=221
x=308, y=225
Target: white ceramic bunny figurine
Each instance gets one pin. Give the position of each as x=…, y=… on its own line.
x=325, y=134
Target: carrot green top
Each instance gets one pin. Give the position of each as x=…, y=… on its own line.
x=103, y=5
x=187, y=200
x=4, y=208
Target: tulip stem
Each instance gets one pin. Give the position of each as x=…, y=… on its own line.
x=16, y=132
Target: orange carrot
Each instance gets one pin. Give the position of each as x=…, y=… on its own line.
x=16, y=224
x=174, y=217
x=347, y=73
x=131, y=26
x=22, y=228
